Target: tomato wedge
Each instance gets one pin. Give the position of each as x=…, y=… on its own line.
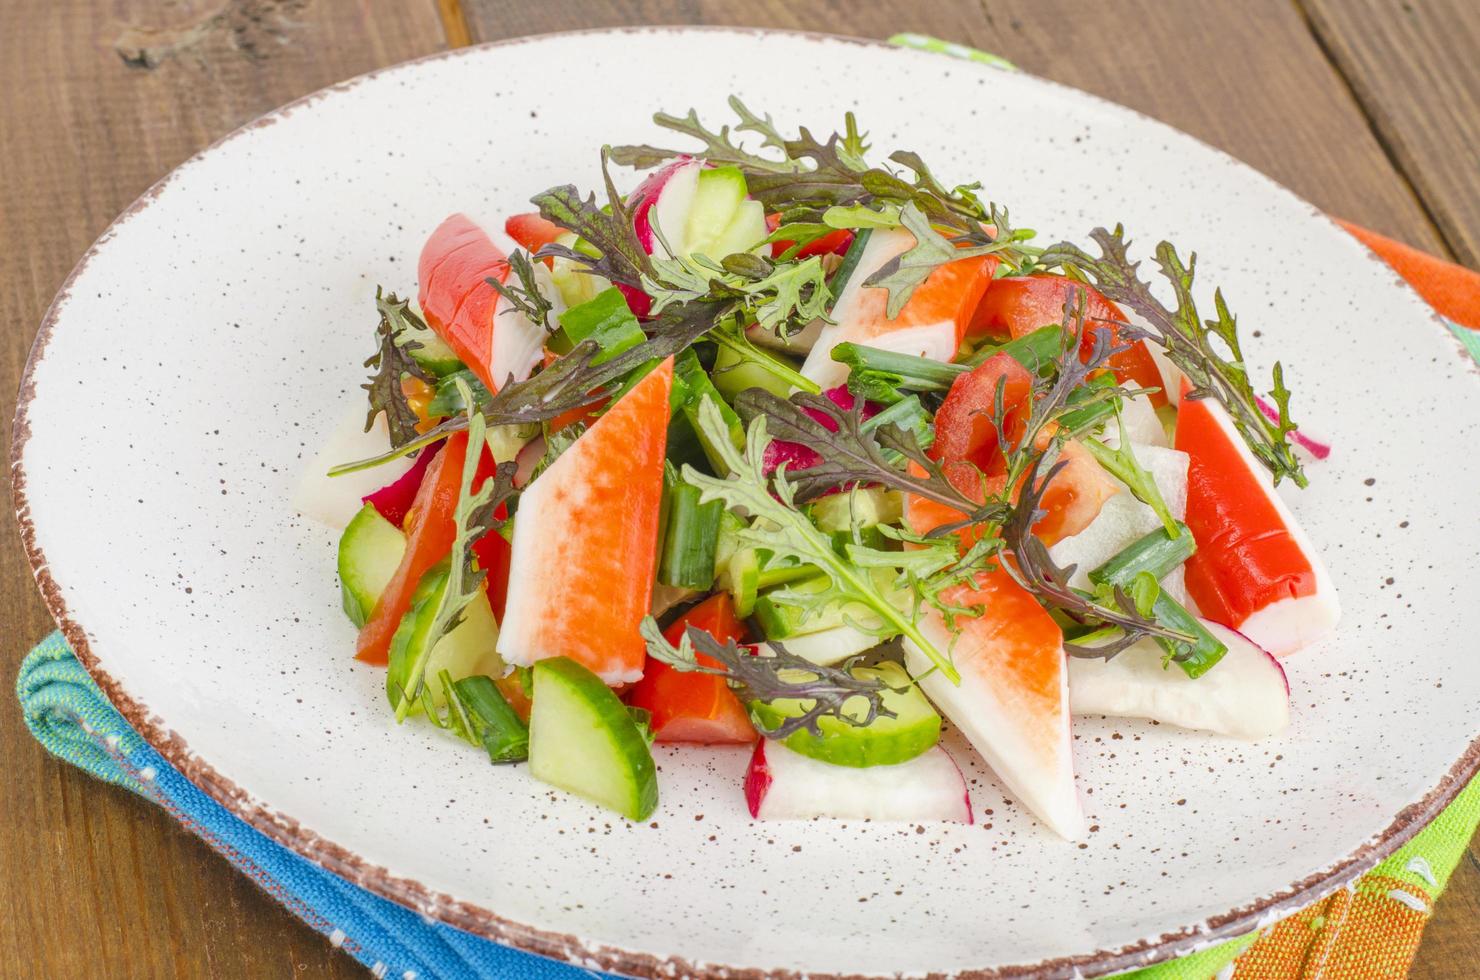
x=1018, y=305
x=833, y=243
x=456, y=300
x=690, y=707
x=429, y=535
x=531, y=231
x=966, y=446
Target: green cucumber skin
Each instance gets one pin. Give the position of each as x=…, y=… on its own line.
x=570, y=702
x=884, y=742
x=689, y=540
x=468, y=649
x=370, y=551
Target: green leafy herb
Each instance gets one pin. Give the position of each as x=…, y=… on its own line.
x=1122, y=464
x=1189, y=341
x=1034, y=570
x=573, y=381
x=524, y=294
x=903, y=273
x=607, y=229
x=788, y=535
x=773, y=675
x=780, y=297
x=391, y=362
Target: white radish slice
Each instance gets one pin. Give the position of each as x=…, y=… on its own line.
x=1123, y=519
x=1246, y=694
x=334, y=500
x=785, y=785
x=1142, y=425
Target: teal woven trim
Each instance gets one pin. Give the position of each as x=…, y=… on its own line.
x=71, y=718
x=1470, y=339
x=923, y=42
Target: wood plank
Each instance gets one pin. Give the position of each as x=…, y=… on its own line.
x=1415, y=67
x=98, y=99
x=1190, y=65
x=1451, y=944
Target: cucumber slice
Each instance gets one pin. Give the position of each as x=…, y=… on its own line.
x=833, y=645
x=883, y=742
x=469, y=649
x=433, y=354
x=744, y=577
x=717, y=195
x=582, y=740
x=574, y=284
x=370, y=551
x=867, y=506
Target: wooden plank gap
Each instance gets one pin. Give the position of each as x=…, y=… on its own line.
x=1451, y=248
x=454, y=23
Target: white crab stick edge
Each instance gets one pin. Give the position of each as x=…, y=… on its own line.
x=1245, y=694
x=859, y=308
x=785, y=785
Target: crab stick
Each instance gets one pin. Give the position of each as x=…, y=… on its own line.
x=1255, y=571
x=495, y=341
x=931, y=324
x=585, y=544
x=1013, y=700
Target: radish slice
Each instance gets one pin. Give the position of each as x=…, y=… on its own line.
x=1123, y=519
x=334, y=500
x=785, y=785
x=1246, y=694
x=393, y=500
x=1318, y=449
x=1255, y=570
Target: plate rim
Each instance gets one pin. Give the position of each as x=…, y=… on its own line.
x=471, y=917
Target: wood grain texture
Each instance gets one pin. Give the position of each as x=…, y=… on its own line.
x=1248, y=78
x=1415, y=67
x=98, y=99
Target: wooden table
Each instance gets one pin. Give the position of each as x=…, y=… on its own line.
x=1368, y=108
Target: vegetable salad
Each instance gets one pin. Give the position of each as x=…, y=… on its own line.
x=789, y=448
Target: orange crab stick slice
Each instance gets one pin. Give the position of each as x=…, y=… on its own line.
x=1254, y=571
x=930, y=325
x=494, y=341
x=1013, y=700
x=586, y=541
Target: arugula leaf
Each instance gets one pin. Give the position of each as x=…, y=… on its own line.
x=391, y=362
x=607, y=229
x=1122, y=464
x=573, y=381
x=788, y=535
x=526, y=296
x=1189, y=341
x=780, y=297
x=718, y=146
x=760, y=676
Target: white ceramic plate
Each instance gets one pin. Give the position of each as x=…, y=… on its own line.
x=207, y=343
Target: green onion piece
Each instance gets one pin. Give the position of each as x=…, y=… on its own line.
x=1157, y=553
x=1036, y=351
x=850, y=261
x=687, y=559
x=1080, y=420
x=449, y=401
x=491, y=720
x=691, y=386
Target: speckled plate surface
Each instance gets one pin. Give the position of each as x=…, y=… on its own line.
x=207, y=343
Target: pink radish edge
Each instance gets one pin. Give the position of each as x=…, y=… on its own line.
x=1318, y=449
x=757, y=779
x=394, y=499
x=799, y=457
x=1269, y=656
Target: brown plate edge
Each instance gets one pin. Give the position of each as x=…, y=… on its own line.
x=563, y=946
